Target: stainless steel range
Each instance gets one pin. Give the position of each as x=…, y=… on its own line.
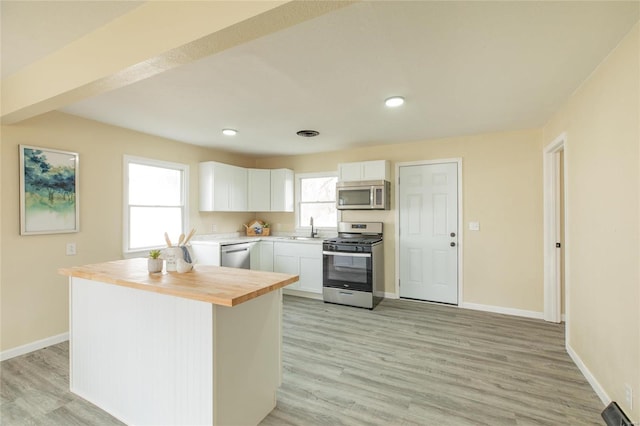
x=353, y=265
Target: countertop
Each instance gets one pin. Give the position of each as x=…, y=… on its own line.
x=236, y=239
x=211, y=284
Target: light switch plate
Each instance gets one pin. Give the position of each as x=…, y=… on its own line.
x=474, y=226
x=71, y=249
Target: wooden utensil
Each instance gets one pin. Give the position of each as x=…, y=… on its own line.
x=180, y=239
x=189, y=235
x=166, y=238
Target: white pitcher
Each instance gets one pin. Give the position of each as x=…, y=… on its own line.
x=171, y=256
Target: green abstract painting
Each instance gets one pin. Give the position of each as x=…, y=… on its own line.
x=48, y=191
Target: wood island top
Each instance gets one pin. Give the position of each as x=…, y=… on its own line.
x=211, y=284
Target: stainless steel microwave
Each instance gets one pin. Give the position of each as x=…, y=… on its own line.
x=363, y=195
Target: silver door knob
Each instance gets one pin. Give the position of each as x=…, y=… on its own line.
x=453, y=234
x=452, y=244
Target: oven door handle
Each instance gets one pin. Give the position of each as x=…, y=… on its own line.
x=347, y=254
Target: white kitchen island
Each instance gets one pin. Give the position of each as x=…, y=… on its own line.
x=200, y=348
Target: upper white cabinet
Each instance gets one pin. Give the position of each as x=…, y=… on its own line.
x=228, y=188
x=223, y=187
x=281, y=190
x=259, y=190
x=364, y=170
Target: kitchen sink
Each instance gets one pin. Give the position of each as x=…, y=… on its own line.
x=302, y=238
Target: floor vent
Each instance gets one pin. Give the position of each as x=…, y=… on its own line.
x=614, y=416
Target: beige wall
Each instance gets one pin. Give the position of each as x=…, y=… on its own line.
x=34, y=298
x=502, y=189
x=602, y=158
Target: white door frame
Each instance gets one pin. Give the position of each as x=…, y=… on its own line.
x=458, y=161
x=552, y=260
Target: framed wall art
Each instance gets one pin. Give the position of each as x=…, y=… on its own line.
x=49, y=202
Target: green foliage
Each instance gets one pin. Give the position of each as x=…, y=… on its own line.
x=45, y=182
x=154, y=254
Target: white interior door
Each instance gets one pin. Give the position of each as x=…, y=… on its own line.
x=428, y=197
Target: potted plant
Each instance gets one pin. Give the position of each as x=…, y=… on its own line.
x=266, y=229
x=154, y=263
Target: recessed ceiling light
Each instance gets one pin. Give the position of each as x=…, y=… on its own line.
x=307, y=133
x=394, y=101
x=229, y=132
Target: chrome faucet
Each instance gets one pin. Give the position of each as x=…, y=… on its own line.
x=313, y=234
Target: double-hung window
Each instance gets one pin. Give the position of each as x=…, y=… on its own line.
x=316, y=197
x=155, y=202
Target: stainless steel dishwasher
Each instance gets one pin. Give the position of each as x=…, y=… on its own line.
x=235, y=255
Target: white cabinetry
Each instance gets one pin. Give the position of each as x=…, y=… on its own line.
x=259, y=199
x=304, y=260
x=281, y=190
x=364, y=170
x=227, y=188
x=262, y=256
x=206, y=252
x=223, y=187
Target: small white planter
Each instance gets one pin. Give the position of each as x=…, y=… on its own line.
x=154, y=265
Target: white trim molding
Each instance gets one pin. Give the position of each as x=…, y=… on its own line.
x=502, y=310
x=33, y=346
x=597, y=387
x=552, y=218
x=184, y=205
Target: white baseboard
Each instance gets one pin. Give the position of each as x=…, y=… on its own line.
x=599, y=390
x=33, y=346
x=503, y=310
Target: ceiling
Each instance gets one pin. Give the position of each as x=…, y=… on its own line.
x=463, y=67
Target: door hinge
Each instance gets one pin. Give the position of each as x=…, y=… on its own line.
x=558, y=245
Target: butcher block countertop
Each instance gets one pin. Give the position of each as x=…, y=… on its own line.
x=211, y=284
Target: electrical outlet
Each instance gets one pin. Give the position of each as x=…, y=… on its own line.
x=628, y=396
x=474, y=226
x=214, y=228
x=71, y=249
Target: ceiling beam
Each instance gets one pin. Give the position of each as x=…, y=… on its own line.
x=151, y=39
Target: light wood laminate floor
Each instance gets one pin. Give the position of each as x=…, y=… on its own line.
x=405, y=363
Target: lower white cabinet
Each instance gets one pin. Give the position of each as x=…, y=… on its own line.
x=304, y=260
x=206, y=252
x=262, y=256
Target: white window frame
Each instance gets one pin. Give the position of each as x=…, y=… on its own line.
x=298, y=199
x=129, y=159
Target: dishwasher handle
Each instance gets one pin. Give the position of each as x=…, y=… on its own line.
x=235, y=250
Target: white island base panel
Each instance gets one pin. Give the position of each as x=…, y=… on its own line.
x=153, y=359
